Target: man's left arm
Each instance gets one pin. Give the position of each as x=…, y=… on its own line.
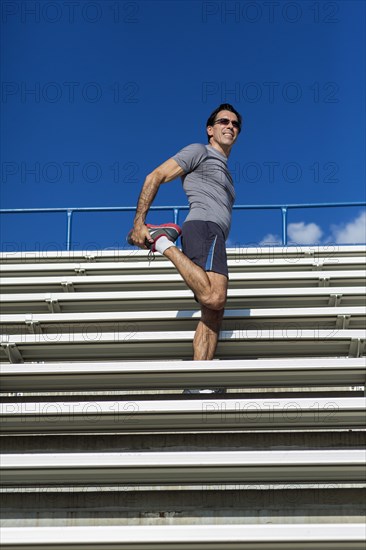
x=164, y=173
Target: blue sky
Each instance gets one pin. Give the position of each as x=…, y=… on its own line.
x=96, y=94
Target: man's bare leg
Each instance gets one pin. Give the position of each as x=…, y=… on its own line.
x=207, y=333
x=209, y=288
x=208, y=329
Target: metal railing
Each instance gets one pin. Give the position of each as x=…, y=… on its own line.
x=176, y=210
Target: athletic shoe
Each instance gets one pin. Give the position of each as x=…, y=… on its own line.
x=169, y=230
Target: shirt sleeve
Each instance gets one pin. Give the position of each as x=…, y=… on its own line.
x=190, y=157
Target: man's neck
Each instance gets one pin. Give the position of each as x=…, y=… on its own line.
x=224, y=151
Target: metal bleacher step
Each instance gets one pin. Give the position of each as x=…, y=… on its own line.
x=118, y=375
x=128, y=266
x=279, y=536
x=173, y=281
x=146, y=468
x=243, y=254
x=180, y=299
x=139, y=416
x=178, y=344
x=101, y=449
x=270, y=318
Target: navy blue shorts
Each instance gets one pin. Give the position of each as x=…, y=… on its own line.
x=204, y=244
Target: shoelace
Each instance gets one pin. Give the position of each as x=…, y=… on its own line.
x=150, y=256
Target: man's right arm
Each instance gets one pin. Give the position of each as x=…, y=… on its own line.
x=164, y=173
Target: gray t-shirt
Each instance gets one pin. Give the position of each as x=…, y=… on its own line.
x=208, y=184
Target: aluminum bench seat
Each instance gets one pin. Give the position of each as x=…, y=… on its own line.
x=240, y=263
x=43, y=469
x=115, y=375
x=173, y=281
x=176, y=416
x=171, y=345
x=285, y=536
x=325, y=317
x=290, y=252
x=179, y=299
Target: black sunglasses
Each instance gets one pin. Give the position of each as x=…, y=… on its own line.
x=226, y=122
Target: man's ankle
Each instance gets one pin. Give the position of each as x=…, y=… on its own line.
x=163, y=244
x=171, y=252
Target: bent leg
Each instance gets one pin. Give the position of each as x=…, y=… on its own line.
x=210, y=288
x=205, y=342
x=208, y=328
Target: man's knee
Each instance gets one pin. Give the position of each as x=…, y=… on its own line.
x=215, y=301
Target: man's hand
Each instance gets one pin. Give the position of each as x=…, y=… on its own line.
x=167, y=171
x=139, y=234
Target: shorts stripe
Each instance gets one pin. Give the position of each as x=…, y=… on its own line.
x=210, y=256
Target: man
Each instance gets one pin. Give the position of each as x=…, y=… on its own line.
x=209, y=187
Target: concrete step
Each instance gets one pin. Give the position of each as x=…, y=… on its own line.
x=241, y=504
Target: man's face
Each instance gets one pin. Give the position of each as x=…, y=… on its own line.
x=223, y=132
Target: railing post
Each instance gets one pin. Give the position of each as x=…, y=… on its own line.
x=284, y=225
x=68, y=231
x=176, y=214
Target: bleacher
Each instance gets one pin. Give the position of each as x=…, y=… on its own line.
x=101, y=449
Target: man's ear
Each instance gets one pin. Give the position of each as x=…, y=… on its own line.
x=209, y=130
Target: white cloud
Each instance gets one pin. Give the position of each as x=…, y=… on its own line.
x=304, y=233
x=271, y=239
x=298, y=233
x=353, y=232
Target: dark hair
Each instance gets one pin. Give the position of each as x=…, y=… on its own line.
x=222, y=107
